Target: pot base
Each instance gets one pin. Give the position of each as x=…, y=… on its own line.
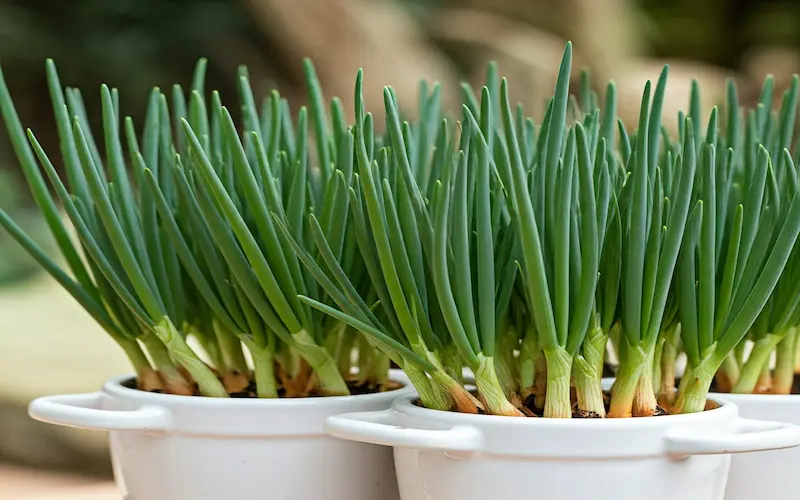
x=292, y=468
x=197, y=448
x=440, y=476
x=442, y=455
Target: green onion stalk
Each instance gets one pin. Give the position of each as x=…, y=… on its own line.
x=589, y=363
x=177, y=236
x=668, y=344
x=774, y=331
x=215, y=289
x=95, y=297
x=530, y=360
x=261, y=260
x=128, y=280
x=671, y=348
x=432, y=265
x=783, y=374
x=653, y=213
x=733, y=260
x=515, y=330
x=228, y=174
x=507, y=365
x=559, y=242
x=471, y=323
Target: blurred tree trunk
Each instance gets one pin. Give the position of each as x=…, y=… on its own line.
x=341, y=36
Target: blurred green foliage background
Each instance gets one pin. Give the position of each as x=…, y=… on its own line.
x=136, y=44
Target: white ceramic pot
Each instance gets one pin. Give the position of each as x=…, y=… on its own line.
x=450, y=456
x=769, y=475
x=167, y=447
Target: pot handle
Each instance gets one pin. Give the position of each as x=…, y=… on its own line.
x=379, y=427
x=747, y=436
x=83, y=411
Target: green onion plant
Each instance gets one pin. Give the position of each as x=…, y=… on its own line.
x=755, y=296
x=176, y=236
x=494, y=257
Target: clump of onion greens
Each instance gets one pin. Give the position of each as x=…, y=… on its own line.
x=176, y=236
x=133, y=293
x=438, y=312
x=733, y=260
x=561, y=324
x=750, y=288
x=516, y=248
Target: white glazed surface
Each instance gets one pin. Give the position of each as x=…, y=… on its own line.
x=771, y=475
x=450, y=456
x=166, y=447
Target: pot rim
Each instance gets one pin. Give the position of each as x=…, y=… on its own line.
x=405, y=405
x=711, y=432
x=119, y=408
x=114, y=387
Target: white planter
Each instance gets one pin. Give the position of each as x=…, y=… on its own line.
x=771, y=475
x=167, y=447
x=450, y=456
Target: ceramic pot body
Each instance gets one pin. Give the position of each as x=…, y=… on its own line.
x=194, y=448
x=450, y=456
x=771, y=475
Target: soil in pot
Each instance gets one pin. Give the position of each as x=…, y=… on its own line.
x=529, y=408
x=357, y=388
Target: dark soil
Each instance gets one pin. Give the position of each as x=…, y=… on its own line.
x=530, y=410
x=577, y=413
x=356, y=389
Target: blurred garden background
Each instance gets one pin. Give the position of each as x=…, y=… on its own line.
x=49, y=345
